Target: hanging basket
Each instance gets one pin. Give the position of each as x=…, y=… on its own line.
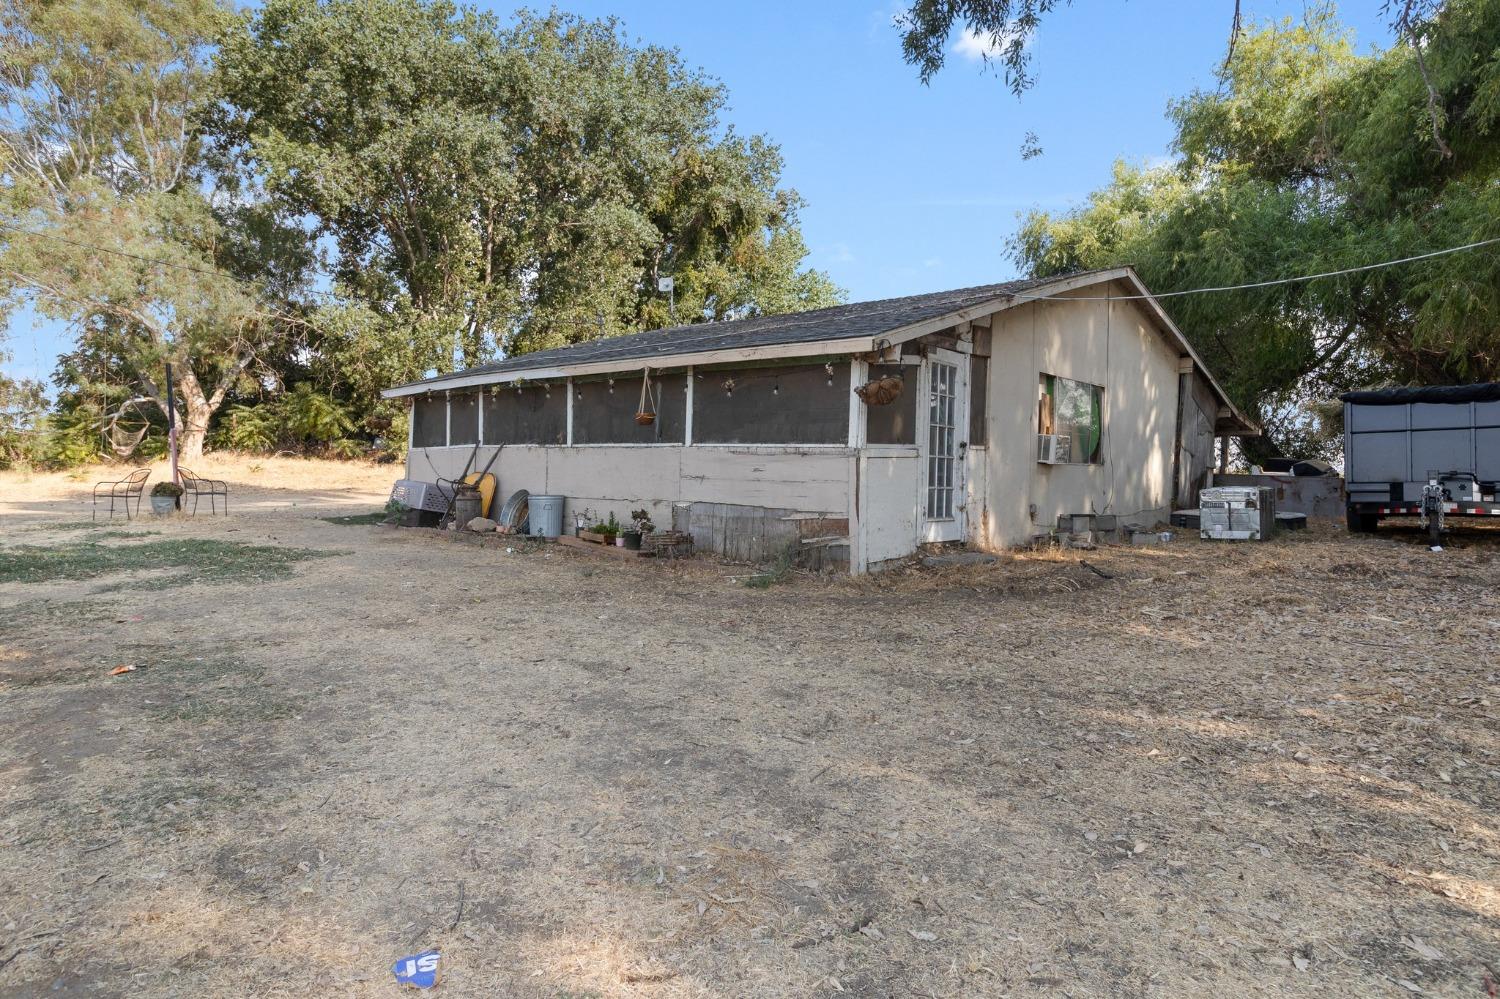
x=646, y=412
x=881, y=391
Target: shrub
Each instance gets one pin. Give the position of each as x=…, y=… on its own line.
x=166, y=489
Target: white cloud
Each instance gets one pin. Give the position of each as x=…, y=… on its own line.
x=838, y=253
x=977, y=47
x=932, y=262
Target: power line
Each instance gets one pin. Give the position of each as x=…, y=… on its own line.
x=1262, y=284
x=1021, y=296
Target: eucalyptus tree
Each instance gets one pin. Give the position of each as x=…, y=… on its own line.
x=112, y=217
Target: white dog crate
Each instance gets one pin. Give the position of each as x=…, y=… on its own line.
x=416, y=495
x=1236, y=513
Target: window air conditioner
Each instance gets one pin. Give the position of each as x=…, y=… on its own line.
x=1053, y=449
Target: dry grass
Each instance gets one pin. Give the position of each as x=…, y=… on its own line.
x=1238, y=769
x=256, y=482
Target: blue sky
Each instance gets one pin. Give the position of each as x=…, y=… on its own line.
x=914, y=188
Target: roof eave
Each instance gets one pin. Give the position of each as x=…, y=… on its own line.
x=1235, y=423
x=815, y=348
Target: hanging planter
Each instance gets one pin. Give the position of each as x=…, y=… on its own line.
x=646, y=411
x=881, y=391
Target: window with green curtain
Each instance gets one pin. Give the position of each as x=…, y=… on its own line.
x=1074, y=410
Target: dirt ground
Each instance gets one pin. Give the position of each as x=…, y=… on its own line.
x=1258, y=769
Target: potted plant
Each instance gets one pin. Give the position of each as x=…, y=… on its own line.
x=612, y=531
x=640, y=526
x=164, y=497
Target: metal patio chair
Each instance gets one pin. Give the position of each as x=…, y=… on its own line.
x=133, y=485
x=196, y=486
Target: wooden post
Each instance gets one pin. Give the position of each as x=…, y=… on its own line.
x=172, y=426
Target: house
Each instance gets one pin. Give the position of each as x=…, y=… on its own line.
x=1017, y=408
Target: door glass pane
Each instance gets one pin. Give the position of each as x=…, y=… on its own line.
x=942, y=437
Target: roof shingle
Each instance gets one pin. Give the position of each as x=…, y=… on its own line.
x=839, y=322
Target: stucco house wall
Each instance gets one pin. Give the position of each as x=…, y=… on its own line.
x=610, y=478
x=1112, y=344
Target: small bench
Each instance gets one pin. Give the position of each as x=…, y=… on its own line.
x=133, y=485
x=197, y=486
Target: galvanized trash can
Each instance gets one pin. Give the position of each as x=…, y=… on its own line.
x=546, y=516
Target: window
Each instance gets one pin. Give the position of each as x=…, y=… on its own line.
x=1074, y=412
x=429, y=422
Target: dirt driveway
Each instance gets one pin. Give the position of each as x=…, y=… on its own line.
x=1233, y=770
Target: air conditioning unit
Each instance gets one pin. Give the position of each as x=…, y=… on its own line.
x=1053, y=449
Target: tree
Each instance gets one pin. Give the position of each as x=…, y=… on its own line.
x=1003, y=27
x=112, y=215
x=23, y=406
x=1307, y=159
x=487, y=189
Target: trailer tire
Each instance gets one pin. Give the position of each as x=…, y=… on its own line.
x=1362, y=523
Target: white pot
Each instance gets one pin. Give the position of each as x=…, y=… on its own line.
x=163, y=505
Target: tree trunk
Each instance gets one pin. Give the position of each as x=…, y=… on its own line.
x=196, y=413
x=191, y=436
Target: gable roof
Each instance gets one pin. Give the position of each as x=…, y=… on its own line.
x=838, y=322
x=856, y=328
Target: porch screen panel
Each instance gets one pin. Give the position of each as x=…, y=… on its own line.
x=979, y=400
x=895, y=422
x=602, y=416
x=532, y=414
x=463, y=419
x=801, y=404
x=429, y=419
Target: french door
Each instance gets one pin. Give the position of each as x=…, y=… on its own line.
x=945, y=401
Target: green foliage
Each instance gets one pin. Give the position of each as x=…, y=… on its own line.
x=102, y=145
x=198, y=559
x=72, y=437
x=1310, y=158
x=312, y=416
x=502, y=188
x=171, y=489
x=1005, y=29
x=256, y=429
x=303, y=419
x=779, y=571
x=482, y=187
x=23, y=408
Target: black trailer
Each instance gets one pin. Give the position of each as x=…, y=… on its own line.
x=1431, y=452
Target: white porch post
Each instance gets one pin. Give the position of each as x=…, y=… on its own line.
x=687, y=418
x=858, y=562
x=569, y=386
